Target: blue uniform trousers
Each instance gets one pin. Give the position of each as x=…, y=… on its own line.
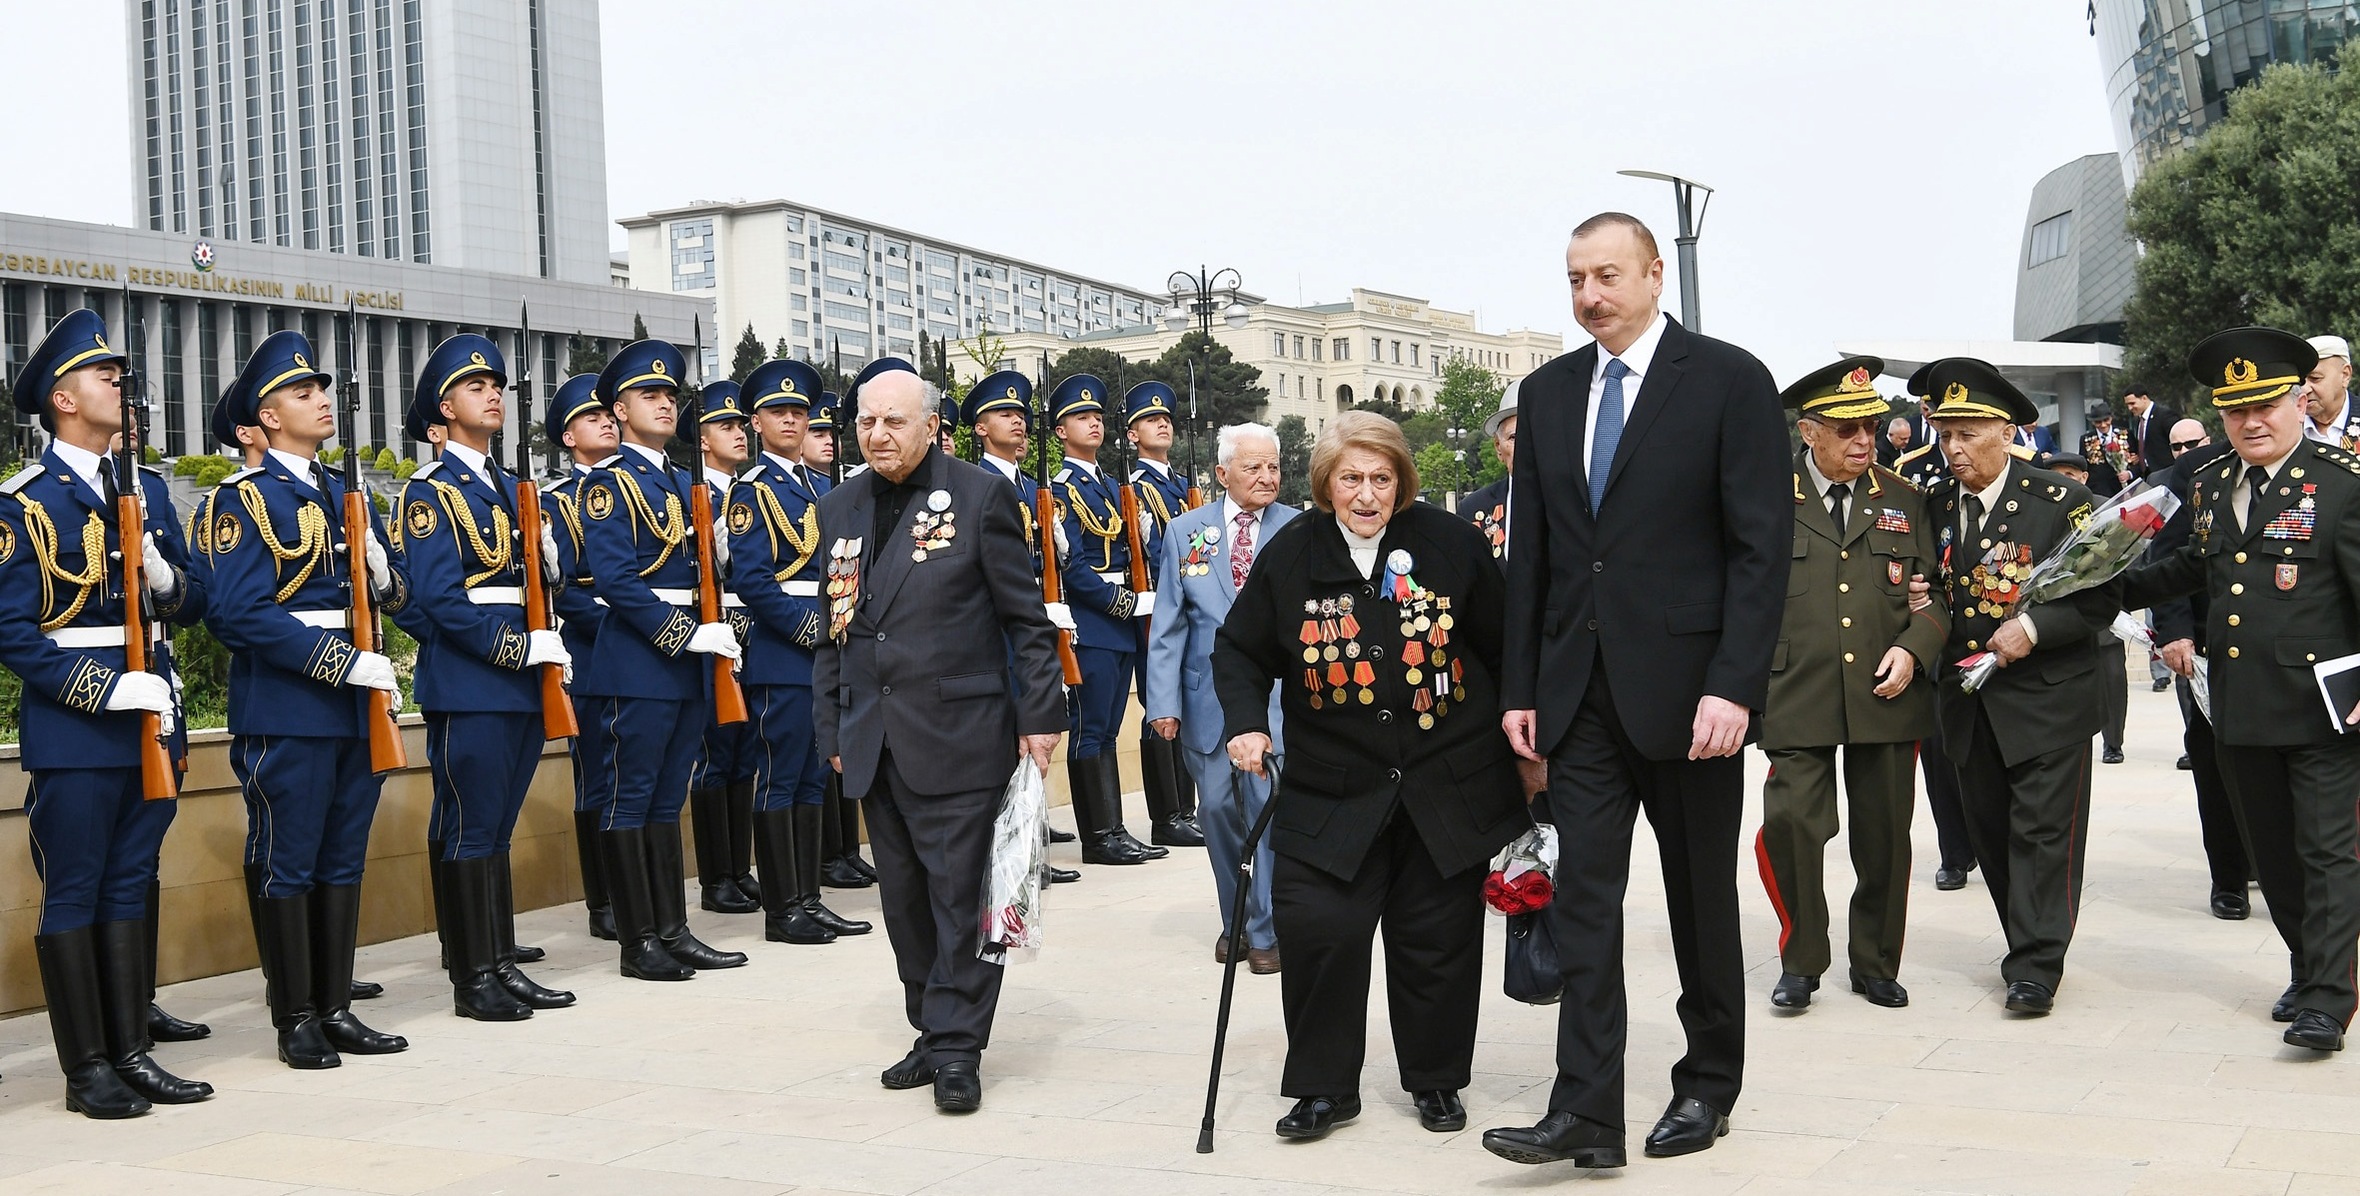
x=594, y=756
x=787, y=767
x=309, y=803
x=1098, y=703
x=483, y=761
x=1227, y=815
x=94, y=843
x=652, y=746
x=728, y=755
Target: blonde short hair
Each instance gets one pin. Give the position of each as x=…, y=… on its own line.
x=1367, y=432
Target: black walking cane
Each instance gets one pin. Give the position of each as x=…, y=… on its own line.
x=1237, y=940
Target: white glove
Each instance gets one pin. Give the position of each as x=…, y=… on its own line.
x=1062, y=615
x=1142, y=604
x=370, y=670
x=141, y=691
x=720, y=548
x=548, y=554
x=380, y=573
x=162, y=578
x=714, y=639
x=545, y=647
x=1063, y=551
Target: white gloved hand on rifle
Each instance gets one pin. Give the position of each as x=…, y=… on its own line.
x=143, y=691
x=373, y=670
x=162, y=578
x=546, y=647
x=380, y=571
x=549, y=574
x=1061, y=615
x=1142, y=603
x=720, y=549
x=714, y=639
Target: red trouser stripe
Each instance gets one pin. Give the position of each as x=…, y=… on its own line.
x=1786, y=924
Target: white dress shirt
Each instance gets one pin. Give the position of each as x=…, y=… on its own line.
x=1639, y=358
x=1363, y=548
x=654, y=458
x=467, y=458
x=83, y=462
x=2332, y=432
x=301, y=467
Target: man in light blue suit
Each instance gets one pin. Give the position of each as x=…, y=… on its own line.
x=1206, y=554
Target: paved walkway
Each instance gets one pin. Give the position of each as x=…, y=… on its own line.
x=2160, y=1071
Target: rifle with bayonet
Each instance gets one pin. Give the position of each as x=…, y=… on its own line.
x=159, y=778
x=1045, y=513
x=729, y=701
x=386, y=750
x=557, y=710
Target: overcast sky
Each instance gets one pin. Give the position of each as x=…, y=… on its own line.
x=1873, y=158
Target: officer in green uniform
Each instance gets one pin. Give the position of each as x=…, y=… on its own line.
x=1853, y=668
x=2022, y=740
x=2275, y=544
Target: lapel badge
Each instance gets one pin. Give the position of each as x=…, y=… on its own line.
x=1893, y=573
x=2286, y=576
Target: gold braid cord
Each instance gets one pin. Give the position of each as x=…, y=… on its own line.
x=311, y=537
x=802, y=534
x=493, y=559
x=669, y=529
x=1156, y=505
x=43, y=534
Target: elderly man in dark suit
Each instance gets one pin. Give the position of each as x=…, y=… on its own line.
x=930, y=603
x=1653, y=517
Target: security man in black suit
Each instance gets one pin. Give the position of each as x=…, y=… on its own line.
x=2276, y=548
x=2022, y=741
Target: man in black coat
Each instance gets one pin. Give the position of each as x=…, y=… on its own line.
x=2150, y=433
x=931, y=603
x=1649, y=546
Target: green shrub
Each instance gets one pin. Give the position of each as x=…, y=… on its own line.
x=334, y=456
x=404, y=468
x=188, y=467
x=386, y=460
x=149, y=455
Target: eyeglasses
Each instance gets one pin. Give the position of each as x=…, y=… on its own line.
x=2181, y=446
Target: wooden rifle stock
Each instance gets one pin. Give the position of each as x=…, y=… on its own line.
x=1139, y=583
x=158, y=779
x=729, y=702
x=386, y=752
x=1052, y=590
x=557, y=710
x=1196, y=495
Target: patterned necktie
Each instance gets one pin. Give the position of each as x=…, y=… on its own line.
x=1241, y=551
x=1609, y=434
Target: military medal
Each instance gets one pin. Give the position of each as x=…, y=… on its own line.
x=843, y=585
x=934, y=527
x=1890, y=520
x=938, y=501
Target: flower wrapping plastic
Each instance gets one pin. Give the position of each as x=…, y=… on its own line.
x=1012, y=881
x=1520, y=880
x=2094, y=554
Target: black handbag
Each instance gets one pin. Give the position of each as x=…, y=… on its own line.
x=1531, y=974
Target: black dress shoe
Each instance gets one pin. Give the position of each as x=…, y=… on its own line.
x=2311, y=1029
x=2025, y=996
x=1688, y=1125
x=1560, y=1137
x=1063, y=876
x=2111, y=756
x=1058, y=836
x=367, y=990
x=1887, y=993
x=2230, y=907
x=163, y=1027
x=1177, y=831
x=1947, y=878
x=839, y=873
x=913, y=1071
x=1440, y=1110
x=1313, y=1116
x=2162, y=685
x=957, y=1089
x=1792, y=991
x=831, y=919
x=2183, y=764
x=527, y=953
x=2284, y=1010
x=346, y=1033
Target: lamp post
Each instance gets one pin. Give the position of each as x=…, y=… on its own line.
x=1196, y=296
x=1692, y=198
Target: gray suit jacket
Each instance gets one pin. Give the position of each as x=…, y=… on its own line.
x=922, y=669
x=1188, y=610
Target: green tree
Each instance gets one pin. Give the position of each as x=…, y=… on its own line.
x=780, y=352
x=1469, y=395
x=1112, y=368
x=2253, y=224
x=1294, y=461
x=638, y=327
x=1440, y=472
x=583, y=355
x=748, y=356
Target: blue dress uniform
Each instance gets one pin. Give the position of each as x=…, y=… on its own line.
x=647, y=694
x=1163, y=494
x=479, y=689
x=94, y=839
x=1097, y=587
x=578, y=615
x=721, y=787
x=281, y=601
x=776, y=570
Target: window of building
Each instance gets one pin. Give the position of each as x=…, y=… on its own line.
x=1343, y=348
x=798, y=302
x=802, y=327
x=795, y=250
x=846, y=286
x=847, y=262
x=900, y=274
x=1318, y=346
x=940, y=262
x=1413, y=355
x=2051, y=239
x=1278, y=344
x=899, y=322
x=1397, y=352
x=847, y=313
x=1376, y=348
x=692, y=255
x=1298, y=348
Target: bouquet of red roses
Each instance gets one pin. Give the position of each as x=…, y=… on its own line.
x=1012, y=879
x=1519, y=882
x=2094, y=553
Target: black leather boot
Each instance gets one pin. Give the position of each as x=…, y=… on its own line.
x=501, y=911
x=848, y=830
x=1111, y=788
x=435, y=888
x=476, y=993
x=254, y=911
x=716, y=880
x=807, y=841
x=123, y=999
x=741, y=838
x=1159, y=776
x=668, y=889
x=335, y=934
x=69, y=983
x=504, y=897
x=1097, y=818
x=594, y=898
x=161, y=1026
x=784, y=918
x=288, y=986
x=624, y=855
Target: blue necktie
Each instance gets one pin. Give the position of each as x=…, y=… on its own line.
x=1609, y=434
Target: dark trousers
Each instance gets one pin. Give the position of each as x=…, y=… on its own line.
x=931, y=853
x=594, y=754
x=1950, y=821
x=1433, y=927
x=1097, y=702
x=2114, y=692
x=787, y=769
x=727, y=754
x=94, y=843
x=2030, y=826
x=2296, y=807
x=482, y=763
x=650, y=747
x=1798, y=819
x=309, y=804
x=1598, y=783
x=2216, y=815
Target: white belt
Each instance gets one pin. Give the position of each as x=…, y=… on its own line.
x=731, y=601
x=335, y=619
x=496, y=595
x=1115, y=579
x=98, y=637
x=675, y=597
x=799, y=589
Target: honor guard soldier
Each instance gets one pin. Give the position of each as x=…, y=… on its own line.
x=1487, y=508
x=94, y=837
x=298, y=698
x=2275, y=545
x=841, y=865
x=1163, y=494
x=721, y=788
x=1098, y=590
x=578, y=419
x=776, y=570
x=1852, y=671
x=646, y=672
x=476, y=677
x=2022, y=741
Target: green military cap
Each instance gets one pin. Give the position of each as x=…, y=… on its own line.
x=2244, y=366
x=1845, y=390
x=1968, y=388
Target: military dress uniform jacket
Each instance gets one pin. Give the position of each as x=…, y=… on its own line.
x=1847, y=602
x=57, y=543
x=1096, y=569
x=2285, y=591
x=1163, y=497
x=465, y=561
x=2049, y=699
x=578, y=609
x=640, y=554
x=1389, y=703
x=282, y=599
x=777, y=569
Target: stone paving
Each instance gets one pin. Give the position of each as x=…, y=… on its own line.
x=2160, y=1071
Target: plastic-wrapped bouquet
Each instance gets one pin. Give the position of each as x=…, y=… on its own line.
x=1012, y=881
x=2095, y=553
x=1520, y=876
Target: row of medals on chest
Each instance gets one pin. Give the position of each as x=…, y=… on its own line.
x=1330, y=637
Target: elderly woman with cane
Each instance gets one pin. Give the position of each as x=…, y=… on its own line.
x=1380, y=619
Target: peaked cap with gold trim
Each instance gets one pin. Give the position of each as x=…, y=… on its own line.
x=2243, y=366
x=1845, y=390
x=1970, y=388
